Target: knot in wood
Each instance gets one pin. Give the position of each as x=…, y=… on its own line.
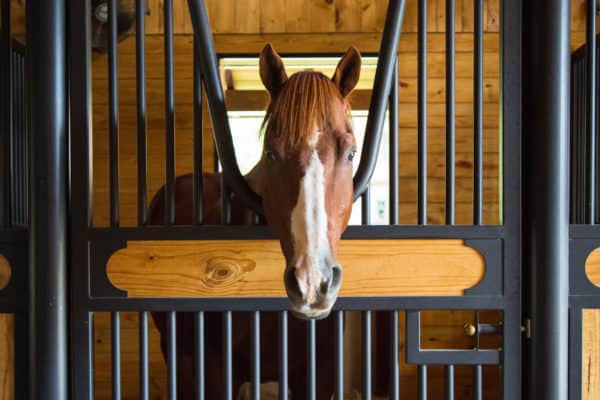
x=224, y=271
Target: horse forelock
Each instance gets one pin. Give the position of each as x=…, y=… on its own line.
x=309, y=103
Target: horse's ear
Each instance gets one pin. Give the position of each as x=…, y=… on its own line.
x=272, y=70
x=347, y=71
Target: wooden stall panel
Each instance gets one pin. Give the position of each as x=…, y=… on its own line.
x=7, y=358
x=252, y=268
x=590, y=382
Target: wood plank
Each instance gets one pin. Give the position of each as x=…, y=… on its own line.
x=7, y=357
x=253, y=268
x=272, y=16
x=368, y=16
x=590, y=358
x=244, y=97
x=592, y=267
x=347, y=16
x=464, y=16
x=183, y=68
x=312, y=42
x=297, y=17
x=5, y=272
x=322, y=15
x=247, y=16
x=492, y=16
x=407, y=116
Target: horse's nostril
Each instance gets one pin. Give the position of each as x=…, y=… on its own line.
x=336, y=275
x=325, y=285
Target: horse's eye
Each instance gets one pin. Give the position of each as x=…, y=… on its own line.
x=351, y=155
x=270, y=154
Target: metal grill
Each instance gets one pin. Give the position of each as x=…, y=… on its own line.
x=380, y=316
x=584, y=236
x=59, y=101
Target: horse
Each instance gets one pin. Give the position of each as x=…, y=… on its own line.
x=304, y=177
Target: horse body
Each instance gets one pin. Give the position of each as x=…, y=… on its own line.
x=304, y=178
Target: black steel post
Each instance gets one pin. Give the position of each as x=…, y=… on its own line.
x=47, y=84
x=546, y=63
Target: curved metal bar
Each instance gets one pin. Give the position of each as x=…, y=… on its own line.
x=381, y=91
x=214, y=93
x=216, y=100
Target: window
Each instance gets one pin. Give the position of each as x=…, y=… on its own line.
x=246, y=99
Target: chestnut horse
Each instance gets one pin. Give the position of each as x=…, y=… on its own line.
x=304, y=178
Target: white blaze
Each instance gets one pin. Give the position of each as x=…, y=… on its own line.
x=309, y=229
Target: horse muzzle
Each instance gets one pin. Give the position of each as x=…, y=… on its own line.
x=316, y=304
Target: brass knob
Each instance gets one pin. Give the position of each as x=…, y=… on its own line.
x=470, y=329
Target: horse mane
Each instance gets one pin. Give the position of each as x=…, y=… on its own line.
x=308, y=101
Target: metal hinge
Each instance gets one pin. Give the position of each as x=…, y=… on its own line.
x=526, y=329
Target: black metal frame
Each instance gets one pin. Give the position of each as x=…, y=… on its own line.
x=91, y=247
x=544, y=213
x=14, y=240
x=584, y=233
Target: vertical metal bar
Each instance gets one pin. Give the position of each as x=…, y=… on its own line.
x=450, y=112
x=422, y=382
x=172, y=355
x=7, y=115
x=575, y=353
x=15, y=147
x=393, y=173
x=48, y=141
x=227, y=356
x=215, y=97
x=143, y=341
x=477, y=383
x=365, y=206
x=381, y=86
x=115, y=328
x=198, y=142
x=311, y=349
x=14, y=155
x=449, y=369
x=255, y=355
x=169, y=115
x=140, y=81
x=366, y=355
x=574, y=146
x=339, y=355
x=80, y=90
x=590, y=111
x=283, y=355
x=478, y=115
x=113, y=110
x=394, y=363
x=200, y=356
x=511, y=39
x=545, y=201
x=422, y=115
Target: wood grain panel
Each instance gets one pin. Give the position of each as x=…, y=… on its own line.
x=407, y=66
x=590, y=375
x=316, y=42
x=4, y=272
x=254, y=268
x=7, y=376
x=592, y=267
x=322, y=16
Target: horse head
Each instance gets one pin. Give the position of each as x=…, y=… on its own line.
x=305, y=175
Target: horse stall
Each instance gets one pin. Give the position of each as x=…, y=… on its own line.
x=130, y=132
